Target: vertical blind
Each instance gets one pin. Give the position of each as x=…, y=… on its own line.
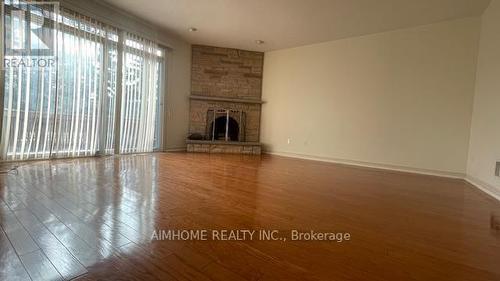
x=29, y=95
x=81, y=75
x=140, y=95
x=70, y=109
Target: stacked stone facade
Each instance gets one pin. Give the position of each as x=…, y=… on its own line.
x=230, y=73
x=234, y=77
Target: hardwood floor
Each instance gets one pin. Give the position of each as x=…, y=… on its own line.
x=93, y=219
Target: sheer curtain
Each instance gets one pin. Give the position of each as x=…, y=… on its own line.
x=71, y=109
x=141, y=84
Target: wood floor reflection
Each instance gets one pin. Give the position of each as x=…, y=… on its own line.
x=93, y=218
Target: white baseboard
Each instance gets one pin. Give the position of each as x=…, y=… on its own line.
x=483, y=186
x=371, y=165
x=175, y=149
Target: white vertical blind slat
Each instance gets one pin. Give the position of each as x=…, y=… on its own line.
x=26, y=112
x=6, y=137
x=18, y=111
x=47, y=118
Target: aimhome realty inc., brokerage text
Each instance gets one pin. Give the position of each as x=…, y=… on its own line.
x=248, y=235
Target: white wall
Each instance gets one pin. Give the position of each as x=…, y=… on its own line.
x=485, y=133
x=177, y=97
x=401, y=98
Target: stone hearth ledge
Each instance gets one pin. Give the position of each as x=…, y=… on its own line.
x=207, y=146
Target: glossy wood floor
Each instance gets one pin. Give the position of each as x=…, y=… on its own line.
x=93, y=219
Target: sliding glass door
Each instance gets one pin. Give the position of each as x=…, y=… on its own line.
x=80, y=95
x=30, y=87
x=141, y=95
x=76, y=107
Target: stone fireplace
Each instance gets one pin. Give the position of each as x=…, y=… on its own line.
x=225, y=101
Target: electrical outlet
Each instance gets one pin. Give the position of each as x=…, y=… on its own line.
x=497, y=169
x=289, y=140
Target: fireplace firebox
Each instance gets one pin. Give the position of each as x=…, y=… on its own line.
x=225, y=125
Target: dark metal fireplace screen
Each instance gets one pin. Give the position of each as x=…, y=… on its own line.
x=225, y=125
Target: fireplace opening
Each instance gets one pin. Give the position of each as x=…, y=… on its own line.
x=219, y=132
x=224, y=124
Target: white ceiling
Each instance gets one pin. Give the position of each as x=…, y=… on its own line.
x=289, y=23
